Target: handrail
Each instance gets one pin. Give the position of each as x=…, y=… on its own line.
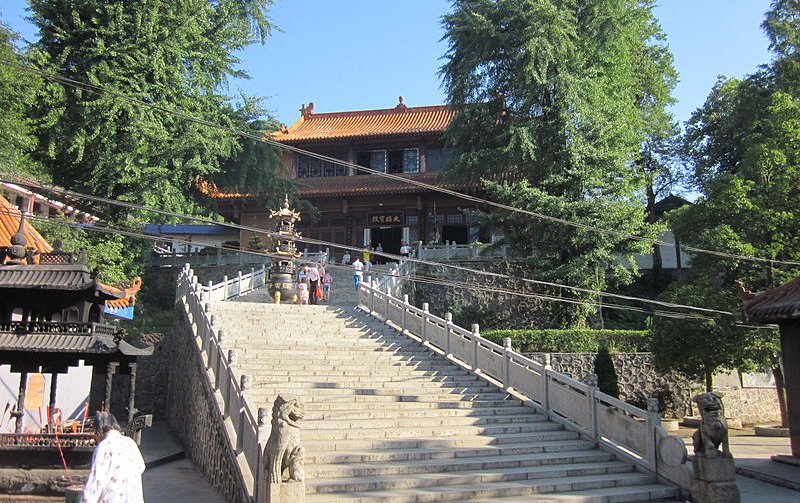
x=454, y=251
x=630, y=432
x=223, y=378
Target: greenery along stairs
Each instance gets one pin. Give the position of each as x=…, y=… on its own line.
x=388, y=420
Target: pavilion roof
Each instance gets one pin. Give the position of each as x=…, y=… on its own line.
x=777, y=304
x=69, y=343
x=61, y=277
x=391, y=122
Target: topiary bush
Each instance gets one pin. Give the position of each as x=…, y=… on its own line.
x=607, y=379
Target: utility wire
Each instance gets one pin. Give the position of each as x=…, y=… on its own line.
x=410, y=277
x=101, y=90
x=317, y=242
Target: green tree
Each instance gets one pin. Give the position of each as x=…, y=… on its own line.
x=17, y=93
x=743, y=147
x=174, y=54
x=697, y=349
x=556, y=100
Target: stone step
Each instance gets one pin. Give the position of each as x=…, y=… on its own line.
x=486, y=413
x=441, y=420
x=363, y=405
x=573, y=491
x=399, y=372
x=440, y=487
x=366, y=381
x=377, y=478
x=404, y=388
x=543, y=452
x=416, y=442
x=378, y=399
x=362, y=431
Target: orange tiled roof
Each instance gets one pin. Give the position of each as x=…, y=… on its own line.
x=9, y=224
x=398, y=121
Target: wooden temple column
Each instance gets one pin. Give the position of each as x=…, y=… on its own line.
x=110, y=370
x=52, y=407
x=19, y=414
x=132, y=394
x=790, y=353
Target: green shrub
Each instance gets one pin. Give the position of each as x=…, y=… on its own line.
x=572, y=340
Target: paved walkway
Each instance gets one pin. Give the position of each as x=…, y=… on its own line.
x=170, y=477
x=754, y=467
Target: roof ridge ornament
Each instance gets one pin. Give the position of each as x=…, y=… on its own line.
x=18, y=249
x=401, y=107
x=307, y=111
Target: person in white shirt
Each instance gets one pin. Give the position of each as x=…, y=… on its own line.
x=117, y=465
x=358, y=272
x=313, y=282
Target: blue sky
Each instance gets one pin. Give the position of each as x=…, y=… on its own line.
x=363, y=54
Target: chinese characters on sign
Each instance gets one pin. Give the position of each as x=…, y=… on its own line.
x=386, y=218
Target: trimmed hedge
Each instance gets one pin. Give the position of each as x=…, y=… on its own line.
x=573, y=340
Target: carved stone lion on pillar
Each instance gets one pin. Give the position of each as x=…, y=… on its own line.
x=283, y=451
x=713, y=429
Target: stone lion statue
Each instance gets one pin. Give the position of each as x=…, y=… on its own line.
x=283, y=451
x=713, y=429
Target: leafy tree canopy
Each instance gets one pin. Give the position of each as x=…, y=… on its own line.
x=555, y=101
x=17, y=92
x=176, y=54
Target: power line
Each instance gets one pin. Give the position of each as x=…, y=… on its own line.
x=310, y=241
x=411, y=277
x=101, y=90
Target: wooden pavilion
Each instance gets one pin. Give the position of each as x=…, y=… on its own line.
x=781, y=305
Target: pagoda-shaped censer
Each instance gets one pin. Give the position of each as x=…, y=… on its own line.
x=284, y=251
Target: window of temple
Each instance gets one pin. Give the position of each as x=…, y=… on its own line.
x=311, y=167
x=404, y=160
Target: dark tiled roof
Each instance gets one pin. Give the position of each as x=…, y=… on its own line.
x=391, y=122
x=54, y=277
x=69, y=277
x=66, y=343
x=774, y=305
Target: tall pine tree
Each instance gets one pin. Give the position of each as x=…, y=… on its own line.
x=555, y=101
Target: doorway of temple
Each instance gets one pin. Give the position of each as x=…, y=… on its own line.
x=389, y=238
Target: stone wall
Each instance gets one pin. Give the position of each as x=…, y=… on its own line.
x=638, y=380
x=193, y=414
x=483, y=304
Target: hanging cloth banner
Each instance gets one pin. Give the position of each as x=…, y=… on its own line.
x=34, y=395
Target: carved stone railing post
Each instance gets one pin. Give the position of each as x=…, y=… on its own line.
x=282, y=479
x=591, y=403
x=653, y=420
x=405, y=312
x=424, y=323
x=448, y=323
x=476, y=333
x=507, y=350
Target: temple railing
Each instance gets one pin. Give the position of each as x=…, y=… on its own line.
x=227, y=384
x=453, y=251
x=209, y=257
x=57, y=327
x=631, y=433
x=47, y=439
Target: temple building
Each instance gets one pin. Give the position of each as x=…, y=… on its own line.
x=358, y=208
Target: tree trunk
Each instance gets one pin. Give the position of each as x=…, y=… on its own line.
x=709, y=382
x=777, y=373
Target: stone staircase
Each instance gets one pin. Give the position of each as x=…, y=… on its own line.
x=388, y=420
